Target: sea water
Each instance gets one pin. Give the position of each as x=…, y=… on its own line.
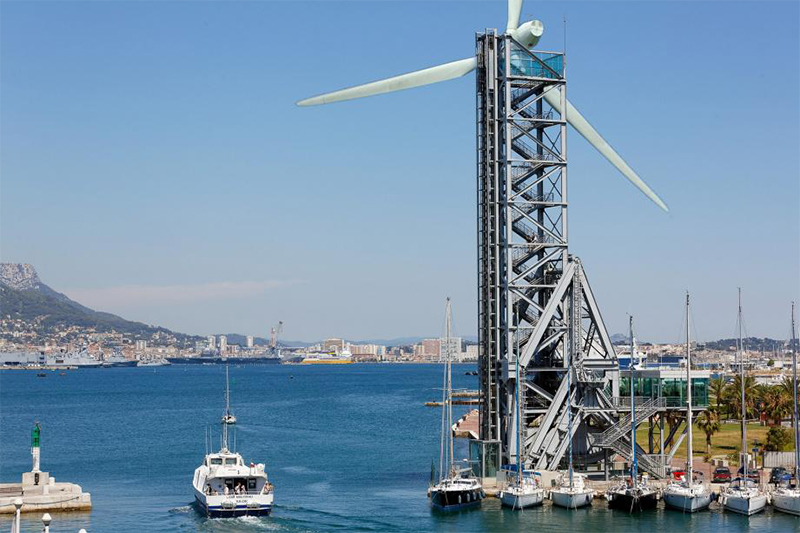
x=348, y=448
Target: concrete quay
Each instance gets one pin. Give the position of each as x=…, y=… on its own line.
x=47, y=495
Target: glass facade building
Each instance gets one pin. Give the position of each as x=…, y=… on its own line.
x=666, y=383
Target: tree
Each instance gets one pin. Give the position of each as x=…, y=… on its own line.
x=777, y=404
x=709, y=422
x=733, y=396
x=778, y=438
x=716, y=386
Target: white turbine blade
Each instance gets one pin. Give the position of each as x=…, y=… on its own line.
x=583, y=127
x=448, y=71
x=514, y=10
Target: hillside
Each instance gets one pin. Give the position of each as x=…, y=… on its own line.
x=29, y=306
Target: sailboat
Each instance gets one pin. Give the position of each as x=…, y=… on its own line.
x=572, y=491
x=228, y=417
x=635, y=493
x=785, y=498
x=454, y=490
x=743, y=496
x=686, y=495
x=524, y=489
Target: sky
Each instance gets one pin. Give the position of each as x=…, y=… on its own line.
x=153, y=163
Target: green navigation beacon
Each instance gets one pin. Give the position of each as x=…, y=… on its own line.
x=36, y=439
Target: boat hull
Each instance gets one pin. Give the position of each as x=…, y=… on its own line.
x=787, y=503
x=630, y=503
x=572, y=500
x=687, y=503
x=516, y=500
x=455, y=500
x=232, y=510
x=746, y=506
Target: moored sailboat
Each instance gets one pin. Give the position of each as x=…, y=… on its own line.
x=228, y=417
x=686, y=495
x=742, y=495
x=786, y=498
x=634, y=494
x=524, y=489
x=572, y=491
x=454, y=490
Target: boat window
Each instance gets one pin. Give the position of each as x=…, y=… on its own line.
x=230, y=460
x=216, y=461
x=251, y=484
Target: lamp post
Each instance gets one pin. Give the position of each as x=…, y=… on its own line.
x=18, y=506
x=46, y=519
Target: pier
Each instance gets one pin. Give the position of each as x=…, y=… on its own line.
x=39, y=491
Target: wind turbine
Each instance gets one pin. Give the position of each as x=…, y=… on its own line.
x=526, y=34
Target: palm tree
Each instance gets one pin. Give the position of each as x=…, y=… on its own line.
x=777, y=404
x=709, y=422
x=733, y=396
x=716, y=387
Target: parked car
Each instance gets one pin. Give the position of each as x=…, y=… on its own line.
x=779, y=474
x=752, y=475
x=722, y=474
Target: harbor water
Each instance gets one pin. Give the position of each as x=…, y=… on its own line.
x=348, y=447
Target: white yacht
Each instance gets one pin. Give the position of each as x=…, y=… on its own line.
x=572, y=494
x=523, y=491
x=743, y=496
x=786, y=498
x=228, y=417
x=686, y=495
x=454, y=490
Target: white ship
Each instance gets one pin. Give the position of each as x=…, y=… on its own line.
x=328, y=358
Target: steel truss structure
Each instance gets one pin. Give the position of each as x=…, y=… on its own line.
x=534, y=298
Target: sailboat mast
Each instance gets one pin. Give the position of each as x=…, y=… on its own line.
x=227, y=393
x=634, y=466
x=794, y=395
x=449, y=387
x=443, y=460
x=741, y=379
x=519, y=410
x=690, y=451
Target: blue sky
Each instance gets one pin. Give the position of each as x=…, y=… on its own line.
x=153, y=163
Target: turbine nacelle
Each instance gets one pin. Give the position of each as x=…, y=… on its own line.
x=529, y=33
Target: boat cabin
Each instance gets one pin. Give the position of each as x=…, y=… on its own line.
x=227, y=474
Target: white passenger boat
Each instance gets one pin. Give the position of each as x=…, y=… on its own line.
x=785, y=498
x=572, y=495
x=686, y=495
x=743, y=496
x=226, y=486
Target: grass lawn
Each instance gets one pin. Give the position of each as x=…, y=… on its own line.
x=725, y=442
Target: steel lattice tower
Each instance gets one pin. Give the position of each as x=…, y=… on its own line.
x=534, y=300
